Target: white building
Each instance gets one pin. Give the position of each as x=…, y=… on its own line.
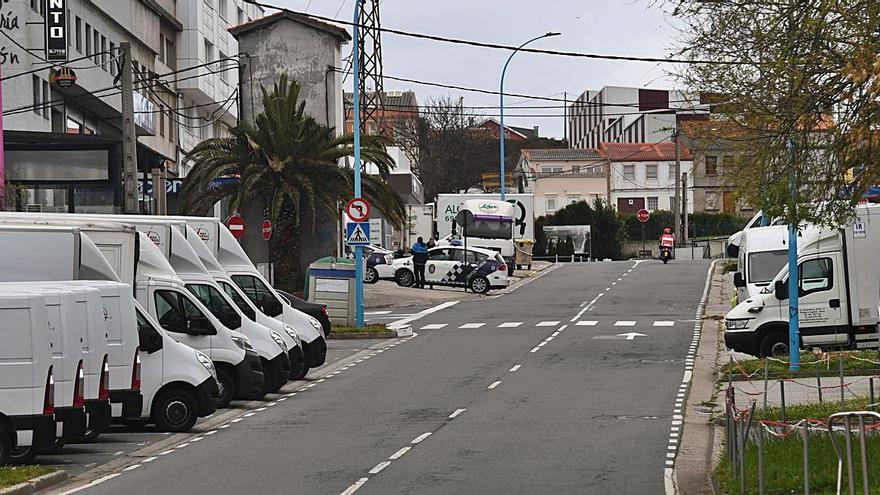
x=559, y=177
x=628, y=115
x=642, y=175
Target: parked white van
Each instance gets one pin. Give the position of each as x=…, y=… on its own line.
x=27, y=384
x=762, y=253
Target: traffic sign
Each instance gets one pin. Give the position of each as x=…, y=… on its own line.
x=358, y=209
x=236, y=226
x=266, y=227
x=357, y=234
x=643, y=215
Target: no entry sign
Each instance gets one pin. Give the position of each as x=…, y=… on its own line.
x=643, y=215
x=358, y=210
x=236, y=226
x=266, y=229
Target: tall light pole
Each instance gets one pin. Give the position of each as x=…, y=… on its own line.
x=356, y=130
x=503, y=73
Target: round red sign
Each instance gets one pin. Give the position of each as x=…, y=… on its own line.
x=358, y=210
x=266, y=228
x=236, y=226
x=643, y=215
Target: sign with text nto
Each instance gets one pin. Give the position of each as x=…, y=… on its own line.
x=56, y=30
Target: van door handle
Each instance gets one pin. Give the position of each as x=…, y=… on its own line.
x=834, y=303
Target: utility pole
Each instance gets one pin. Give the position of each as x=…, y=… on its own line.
x=356, y=130
x=565, y=118
x=676, y=203
x=684, y=205
x=129, y=133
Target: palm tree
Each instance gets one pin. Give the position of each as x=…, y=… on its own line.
x=291, y=164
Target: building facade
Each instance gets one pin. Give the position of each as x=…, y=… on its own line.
x=629, y=115
x=714, y=146
x=558, y=177
x=642, y=175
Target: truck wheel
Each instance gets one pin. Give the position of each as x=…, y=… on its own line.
x=5, y=448
x=175, y=411
x=480, y=284
x=23, y=455
x=371, y=276
x=302, y=374
x=405, y=278
x=774, y=344
x=228, y=387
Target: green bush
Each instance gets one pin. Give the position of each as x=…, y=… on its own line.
x=700, y=224
x=606, y=230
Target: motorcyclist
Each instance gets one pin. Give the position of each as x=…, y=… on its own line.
x=667, y=241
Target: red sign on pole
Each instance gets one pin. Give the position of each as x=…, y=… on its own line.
x=358, y=210
x=643, y=215
x=236, y=226
x=267, y=229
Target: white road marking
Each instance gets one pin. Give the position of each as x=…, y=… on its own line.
x=236, y=420
x=397, y=455
x=401, y=323
x=166, y=452
x=664, y=323
x=494, y=384
x=371, y=313
x=613, y=284
x=131, y=468
x=184, y=444
x=587, y=323
x=625, y=323
x=355, y=486
x=510, y=324
x=515, y=368
x=260, y=409
x=210, y=432
x=542, y=344
x=456, y=413
x=225, y=426
x=607, y=289
x=434, y=326
x=379, y=467
x=472, y=325
x=421, y=438
x=93, y=483
x=535, y=349
x=555, y=333
x=619, y=279
x=547, y=324
x=197, y=439
x=149, y=459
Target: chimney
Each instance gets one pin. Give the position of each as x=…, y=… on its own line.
x=536, y=131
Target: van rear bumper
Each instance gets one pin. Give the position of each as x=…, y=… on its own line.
x=99, y=415
x=132, y=402
x=316, y=352
x=250, y=375
x=207, y=394
x=73, y=421
x=42, y=426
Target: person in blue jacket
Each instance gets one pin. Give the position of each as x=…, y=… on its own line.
x=420, y=258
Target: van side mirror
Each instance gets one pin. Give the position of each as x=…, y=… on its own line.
x=271, y=306
x=230, y=318
x=199, y=325
x=779, y=290
x=738, y=280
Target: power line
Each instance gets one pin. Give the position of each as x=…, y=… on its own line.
x=480, y=44
x=52, y=66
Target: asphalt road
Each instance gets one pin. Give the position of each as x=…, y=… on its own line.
x=546, y=389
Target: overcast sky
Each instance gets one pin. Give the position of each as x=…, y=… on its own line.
x=612, y=27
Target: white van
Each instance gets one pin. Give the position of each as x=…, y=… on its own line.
x=177, y=383
x=838, y=293
x=762, y=253
x=27, y=384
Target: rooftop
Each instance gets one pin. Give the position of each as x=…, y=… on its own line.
x=260, y=22
x=562, y=154
x=643, y=152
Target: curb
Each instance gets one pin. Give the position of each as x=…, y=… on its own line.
x=34, y=485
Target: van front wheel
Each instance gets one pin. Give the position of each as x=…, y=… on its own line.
x=774, y=344
x=175, y=410
x=228, y=387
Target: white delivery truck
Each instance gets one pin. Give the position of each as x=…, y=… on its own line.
x=175, y=385
x=448, y=206
x=762, y=253
x=492, y=228
x=242, y=271
x=27, y=383
x=839, y=287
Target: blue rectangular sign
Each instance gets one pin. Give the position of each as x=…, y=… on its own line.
x=357, y=234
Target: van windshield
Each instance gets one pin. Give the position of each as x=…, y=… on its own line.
x=763, y=266
x=491, y=229
x=238, y=300
x=212, y=299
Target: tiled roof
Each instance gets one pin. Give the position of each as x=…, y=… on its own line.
x=561, y=154
x=392, y=100
x=259, y=22
x=643, y=152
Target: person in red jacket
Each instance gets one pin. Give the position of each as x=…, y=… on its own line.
x=667, y=240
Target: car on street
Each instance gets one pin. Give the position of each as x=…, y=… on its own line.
x=378, y=264
x=480, y=270
x=315, y=310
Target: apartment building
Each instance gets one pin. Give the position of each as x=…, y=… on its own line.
x=558, y=177
x=642, y=175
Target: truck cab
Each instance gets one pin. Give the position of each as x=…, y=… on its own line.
x=762, y=253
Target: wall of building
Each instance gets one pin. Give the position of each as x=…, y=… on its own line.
x=555, y=184
x=640, y=187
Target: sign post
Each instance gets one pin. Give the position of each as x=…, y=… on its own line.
x=356, y=129
x=643, y=216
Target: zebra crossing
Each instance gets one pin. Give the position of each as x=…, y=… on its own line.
x=647, y=323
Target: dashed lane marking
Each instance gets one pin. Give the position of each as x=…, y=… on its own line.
x=510, y=324
x=664, y=323
x=434, y=326
x=421, y=438
x=472, y=325
x=586, y=323
x=494, y=384
x=379, y=467
x=515, y=368
x=397, y=455
x=355, y=486
x=456, y=413
x=547, y=324
x=625, y=323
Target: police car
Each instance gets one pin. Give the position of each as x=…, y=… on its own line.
x=477, y=269
x=378, y=266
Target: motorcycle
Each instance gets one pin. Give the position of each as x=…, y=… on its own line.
x=665, y=254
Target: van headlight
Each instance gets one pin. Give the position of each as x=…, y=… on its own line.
x=207, y=363
x=317, y=324
x=242, y=342
x=292, y=333
x=278, y=340
x=737, y=324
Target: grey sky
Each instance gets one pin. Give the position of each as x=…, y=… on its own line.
x=613, y=27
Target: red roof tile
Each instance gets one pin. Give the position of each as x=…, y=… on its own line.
x=643, y=152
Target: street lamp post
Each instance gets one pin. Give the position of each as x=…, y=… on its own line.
x=356, y=130
x=503, y=73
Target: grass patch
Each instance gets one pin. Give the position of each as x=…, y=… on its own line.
x=377, y=328
x=797, y=412
x=730, y=266
x=809, y=361
x=783, y=467
x=14, y=475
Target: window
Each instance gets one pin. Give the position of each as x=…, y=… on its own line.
x=175, y=311
x=37, y=87
x=653, y=203
x=38, y=6
x=764, y=265
x=78, y=33
x=238, y=300
x=97, y=46
x=551, y=170
x=712, y=200
x=112, y=62
x=149, y=339
x=161, y=121
x=711, y=166
x=551, y=202
x=671, y=173
x=88, y=40
x=222, y=8
x=671, y=203
x=257, y=292
x=441, y=255
x=575, y=169
x=573, y=198
x=46, y=98
x=223, y=67
x=214, y=301
x=651, y=171
x=474, y=257
x=104, y=55
x=815, y=276
x=209, y=52
x=629, y=172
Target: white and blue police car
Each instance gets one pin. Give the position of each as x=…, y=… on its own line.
x=477, y=269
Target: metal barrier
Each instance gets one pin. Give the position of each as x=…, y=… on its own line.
x=848, y=454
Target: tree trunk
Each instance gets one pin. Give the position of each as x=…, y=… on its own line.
x=285, y=253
